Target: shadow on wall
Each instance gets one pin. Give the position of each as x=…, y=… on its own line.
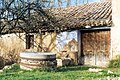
x=69, y=51
x=45, y=42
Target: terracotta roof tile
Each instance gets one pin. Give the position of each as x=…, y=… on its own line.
x=91, y=14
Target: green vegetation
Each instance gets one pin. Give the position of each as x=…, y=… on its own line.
x=61, y=73
x=115, y=63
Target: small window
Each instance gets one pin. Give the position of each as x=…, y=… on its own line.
x=29, y=41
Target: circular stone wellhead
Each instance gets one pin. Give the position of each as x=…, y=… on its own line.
x=33, y=60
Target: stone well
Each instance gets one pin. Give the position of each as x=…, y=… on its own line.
x=32, y=60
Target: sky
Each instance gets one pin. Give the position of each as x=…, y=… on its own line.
x=55, y=2
x=74, y=2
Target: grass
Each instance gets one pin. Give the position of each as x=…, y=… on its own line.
x=61, y=73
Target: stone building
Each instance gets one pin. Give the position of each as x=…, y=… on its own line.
x=95, y=24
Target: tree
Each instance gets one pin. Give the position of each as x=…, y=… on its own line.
x=68, y=2
x=16, y=13
x=26, y=16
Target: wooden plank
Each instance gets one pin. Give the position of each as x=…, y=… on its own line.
x=95, y=42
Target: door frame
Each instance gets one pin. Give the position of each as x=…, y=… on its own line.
x=81, y=60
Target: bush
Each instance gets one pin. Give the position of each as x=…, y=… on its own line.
x=10, y=50
x=13, y=68
x=2, y=62
x=115, y=63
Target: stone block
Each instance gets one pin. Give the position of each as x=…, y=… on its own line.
x=64, y=62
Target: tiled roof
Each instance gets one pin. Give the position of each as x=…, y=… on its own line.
x=91, y=14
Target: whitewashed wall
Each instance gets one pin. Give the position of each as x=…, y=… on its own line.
x=115, y=30
x=64, y=37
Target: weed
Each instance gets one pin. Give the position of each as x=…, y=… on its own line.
x=115, y=63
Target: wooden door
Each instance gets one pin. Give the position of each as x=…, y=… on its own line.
x=95, y=46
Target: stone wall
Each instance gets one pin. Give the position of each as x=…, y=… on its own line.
x=115, y=30
x=11, y=45
x=45, y=42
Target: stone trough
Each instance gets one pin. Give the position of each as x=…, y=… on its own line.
x=33, y=60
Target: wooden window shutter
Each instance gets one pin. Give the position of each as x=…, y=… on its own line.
x=29, y=41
